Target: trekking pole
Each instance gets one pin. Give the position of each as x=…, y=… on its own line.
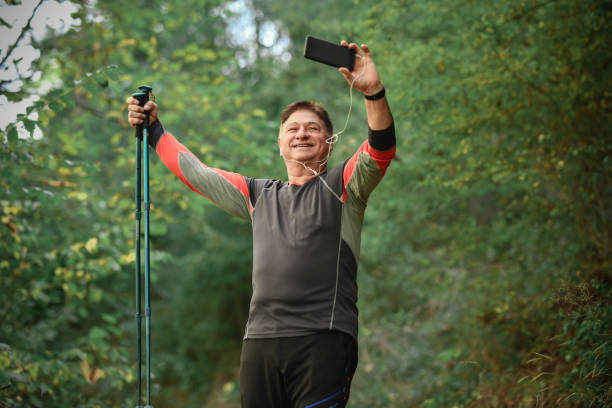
x=142, y=132
x=140, y=96
x=147, y=210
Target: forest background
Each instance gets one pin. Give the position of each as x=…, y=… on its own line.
x=485, y=269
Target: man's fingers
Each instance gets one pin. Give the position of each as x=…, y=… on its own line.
x=365, y=49
x=347, y=74
x=133, y=104
x=355, y=47
x=135, y=112
x=134, y=108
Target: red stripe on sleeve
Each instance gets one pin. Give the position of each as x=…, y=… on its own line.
x=382, y=159
x=169, y=150
x=348, y=172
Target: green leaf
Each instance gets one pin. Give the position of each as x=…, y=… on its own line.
x=36, y=106
x=109, y=318
x=30, y=125
x=101, y=80
x=57, y=106
x=12, y=135
x=97, y=335
x=81, y=311
x=5, y=24
x=68, y=100
x=92, y=245
x=259, y=113
x=112, y=73
x=90, y=86
x=449, y=354
x=43, y=118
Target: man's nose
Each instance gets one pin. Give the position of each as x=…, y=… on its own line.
x=302, y=132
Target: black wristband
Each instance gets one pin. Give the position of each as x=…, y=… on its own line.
x=156, y=131
x=376, y=96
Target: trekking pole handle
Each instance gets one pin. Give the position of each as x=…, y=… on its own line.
x=148, y=90
x=142, y=97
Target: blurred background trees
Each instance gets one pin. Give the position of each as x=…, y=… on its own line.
x=485, y=268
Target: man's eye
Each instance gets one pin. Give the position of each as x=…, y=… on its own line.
x=291, y=129
x=313, y=129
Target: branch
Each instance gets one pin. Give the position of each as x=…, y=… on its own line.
x=23, y=31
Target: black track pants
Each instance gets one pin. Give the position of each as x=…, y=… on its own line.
x=313, y=371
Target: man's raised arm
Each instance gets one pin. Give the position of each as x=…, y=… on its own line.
x=367, y=166
x=367, y=81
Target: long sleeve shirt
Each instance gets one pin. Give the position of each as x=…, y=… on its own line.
x=306, y=238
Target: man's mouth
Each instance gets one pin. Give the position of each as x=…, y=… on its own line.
x=303, y=145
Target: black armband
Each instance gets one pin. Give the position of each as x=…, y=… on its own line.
x=156, y=131
x=382, y=139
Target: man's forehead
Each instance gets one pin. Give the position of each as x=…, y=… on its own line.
x=304, y=116
x=305, y=122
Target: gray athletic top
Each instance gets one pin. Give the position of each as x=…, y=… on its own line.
x=306, y=238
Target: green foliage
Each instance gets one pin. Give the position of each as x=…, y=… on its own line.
x=485, y=269
x=491, y=213
x=61, y=344
x=584, y=344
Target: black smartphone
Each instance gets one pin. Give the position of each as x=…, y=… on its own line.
x=329, y=53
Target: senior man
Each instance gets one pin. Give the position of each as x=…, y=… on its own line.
x=300, y=341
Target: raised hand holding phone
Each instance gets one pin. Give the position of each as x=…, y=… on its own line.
x=364, y=75
x=358, y=69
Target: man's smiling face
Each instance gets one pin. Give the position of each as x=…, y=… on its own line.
x=302, y=138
